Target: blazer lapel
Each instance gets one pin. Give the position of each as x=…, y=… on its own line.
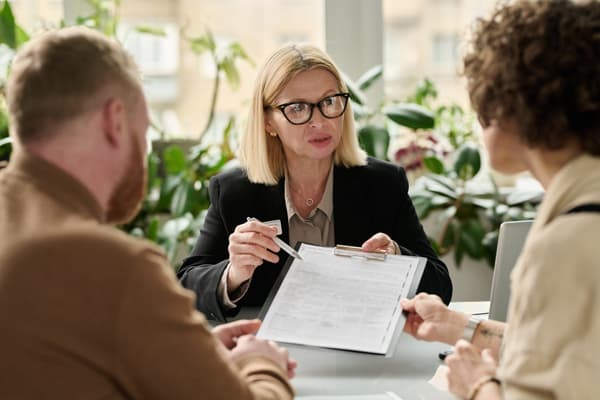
x=273, y=207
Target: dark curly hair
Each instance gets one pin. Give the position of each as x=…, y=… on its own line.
x=537, y=63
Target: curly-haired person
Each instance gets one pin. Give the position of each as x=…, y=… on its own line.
x=533, y=73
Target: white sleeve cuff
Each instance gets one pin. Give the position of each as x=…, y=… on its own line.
x=223, y=291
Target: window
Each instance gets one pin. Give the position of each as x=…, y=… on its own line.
x=422, y=39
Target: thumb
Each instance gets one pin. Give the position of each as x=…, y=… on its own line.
x=486, y=356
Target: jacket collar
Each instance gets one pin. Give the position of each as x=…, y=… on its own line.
x=56, y=183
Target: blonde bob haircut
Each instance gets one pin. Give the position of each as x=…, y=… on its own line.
x=261, y=154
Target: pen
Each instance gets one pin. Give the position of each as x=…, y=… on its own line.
x=283, y=245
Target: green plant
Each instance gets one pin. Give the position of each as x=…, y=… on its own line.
x=11, y=37
x=443, y=141
x=177, y=199
x=468, y=208
x=178, y=170
x=5, y=140
x=375, y=124
x=469, y=213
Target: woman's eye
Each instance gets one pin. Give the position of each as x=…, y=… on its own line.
x=328, y=101
x=297, y=107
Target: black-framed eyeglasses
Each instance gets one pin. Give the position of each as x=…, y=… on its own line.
x=300, y=112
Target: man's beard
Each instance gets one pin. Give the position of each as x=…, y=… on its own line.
x=126, y=199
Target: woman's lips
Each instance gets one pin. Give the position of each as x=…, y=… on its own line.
x=320, y=141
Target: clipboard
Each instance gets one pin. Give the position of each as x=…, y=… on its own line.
x=286, y=308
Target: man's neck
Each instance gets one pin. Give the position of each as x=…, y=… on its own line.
x=81, y=165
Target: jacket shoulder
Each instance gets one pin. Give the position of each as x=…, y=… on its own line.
x=233, y=176
x=234, y=183
x=376, y=171
x=89, y=241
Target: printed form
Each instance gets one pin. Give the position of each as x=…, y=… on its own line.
x=349, y=303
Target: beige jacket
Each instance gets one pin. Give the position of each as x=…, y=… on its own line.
x=552, y=345
x=88, y=312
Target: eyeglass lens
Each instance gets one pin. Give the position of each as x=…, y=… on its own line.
x=330, y=107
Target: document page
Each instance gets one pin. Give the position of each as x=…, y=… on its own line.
x=349, y=303
x=382, y=396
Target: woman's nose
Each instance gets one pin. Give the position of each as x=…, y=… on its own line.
x=317, y=119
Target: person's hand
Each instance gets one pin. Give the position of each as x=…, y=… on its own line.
x=467, y=366
x=379, y=242
x=429, y=319
x=230, y=332
x=248, y=345
x=249, y=246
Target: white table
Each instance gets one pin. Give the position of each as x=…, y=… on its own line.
x=406, y=373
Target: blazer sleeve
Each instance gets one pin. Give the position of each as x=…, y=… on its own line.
x=412, y=240
x=201, y=271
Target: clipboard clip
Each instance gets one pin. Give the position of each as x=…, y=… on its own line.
x=354, y=251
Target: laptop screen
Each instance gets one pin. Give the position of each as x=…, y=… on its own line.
x=510, y=243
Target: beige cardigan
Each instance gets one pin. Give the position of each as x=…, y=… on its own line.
x=552, y=344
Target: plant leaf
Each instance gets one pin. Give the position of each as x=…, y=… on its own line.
x=201, y=44
x=231, y=72
x=471, y=234
x=8, y=26
x=356, y=95
x=6, y=141
x=468, y=162
x=369, y=77
x=173, y=227
x=521, y=196
x=410, y=115
x=152, y=231
x=182, y=198
x=151, y=30
x=434, y=164
x=435, y=187
x=21, y=36
x=374, y=140
x=490, y=244
x=459, y=252
x=422, y=206
x=174, y=159
x=443, y=180
x=482, y=203
x=237, y=51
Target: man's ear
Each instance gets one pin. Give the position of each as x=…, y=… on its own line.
x=114, y=120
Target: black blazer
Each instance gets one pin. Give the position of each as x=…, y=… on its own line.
x=366, y=200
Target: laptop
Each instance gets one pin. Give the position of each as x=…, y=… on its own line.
x=510, y=243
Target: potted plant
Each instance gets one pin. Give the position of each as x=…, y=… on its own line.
x=178, y=171
x=441, y=144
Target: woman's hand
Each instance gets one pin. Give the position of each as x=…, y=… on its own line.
x=468, y=367
x=380, y=242
x=429, y=319
x=249, y=246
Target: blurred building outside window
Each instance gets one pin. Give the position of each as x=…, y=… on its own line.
x=419, y=39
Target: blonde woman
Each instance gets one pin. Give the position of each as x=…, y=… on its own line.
x=301, y=166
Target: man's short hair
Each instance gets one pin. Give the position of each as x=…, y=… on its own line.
x=64, y=73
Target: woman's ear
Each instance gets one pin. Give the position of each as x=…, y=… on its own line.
x=268, y=125
x=114, y=121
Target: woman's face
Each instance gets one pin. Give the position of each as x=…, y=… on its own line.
x=505, y=148
x=318, y=138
